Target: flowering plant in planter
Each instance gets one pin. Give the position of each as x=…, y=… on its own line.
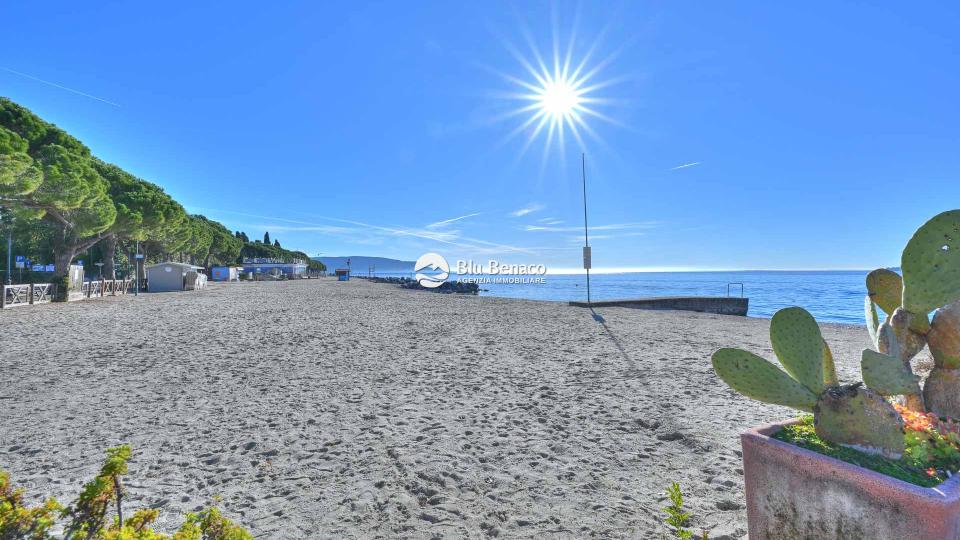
x=888, y=423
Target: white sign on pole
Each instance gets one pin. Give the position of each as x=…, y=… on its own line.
x=586, y=257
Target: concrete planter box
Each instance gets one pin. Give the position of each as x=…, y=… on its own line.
x=793, y=493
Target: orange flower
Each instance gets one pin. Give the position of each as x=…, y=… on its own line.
x=918, y=421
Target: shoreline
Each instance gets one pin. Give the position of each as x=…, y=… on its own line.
x=355, y=409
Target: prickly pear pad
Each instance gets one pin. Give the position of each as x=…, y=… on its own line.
x=798, y=345
x=757, y=378
x=887, y=375
x=873, y=320
x=885, y=288
x=931, y=264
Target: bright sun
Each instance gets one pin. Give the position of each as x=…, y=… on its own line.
x=559, y=98
x=558, y=95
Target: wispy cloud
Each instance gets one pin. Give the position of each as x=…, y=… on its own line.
x=685, y=165
x=612, y=227
x=579, y=238
x=363, y=230
x=550, y=221
x=55, y=85
x=529, y=209
x=444, y=223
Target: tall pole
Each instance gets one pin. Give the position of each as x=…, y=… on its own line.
x=586, y=235
x=9, y=255
x=136, y=266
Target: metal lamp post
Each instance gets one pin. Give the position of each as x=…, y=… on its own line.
x=587, y=255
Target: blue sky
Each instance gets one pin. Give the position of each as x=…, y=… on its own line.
x=822, y=135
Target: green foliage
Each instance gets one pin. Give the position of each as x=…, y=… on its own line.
x=59, y=185
x=931, y=450
x=224, y=247
x=23, y=122
x=19, y=175
x=18, y=521
x=88, y=515
x=677, y=518
x=213, y=526
x=925, y=451
x=143, y=208
x=72, y=201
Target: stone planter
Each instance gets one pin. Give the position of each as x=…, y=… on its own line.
x=794, y=493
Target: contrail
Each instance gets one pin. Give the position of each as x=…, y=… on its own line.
x=449, y=221
x=685, y=165
x=38, y=79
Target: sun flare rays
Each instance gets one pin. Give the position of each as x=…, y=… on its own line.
x=556, y=97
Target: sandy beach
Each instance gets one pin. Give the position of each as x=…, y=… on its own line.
x=318, y=409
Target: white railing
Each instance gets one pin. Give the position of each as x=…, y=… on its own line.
x=26, y=294
x=43, y=293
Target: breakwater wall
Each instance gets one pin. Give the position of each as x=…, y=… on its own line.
x=722, y=305
x=447, y=287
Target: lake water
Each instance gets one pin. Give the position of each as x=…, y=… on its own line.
x=835, y=296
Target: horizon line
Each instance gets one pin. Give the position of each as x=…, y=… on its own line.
x=649, y=269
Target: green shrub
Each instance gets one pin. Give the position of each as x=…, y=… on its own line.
x=88, y=517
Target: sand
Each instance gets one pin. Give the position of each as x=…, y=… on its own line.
x=320, y=409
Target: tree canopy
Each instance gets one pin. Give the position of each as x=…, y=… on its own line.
x=60, y=200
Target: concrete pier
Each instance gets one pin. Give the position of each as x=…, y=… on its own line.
x=722, y=305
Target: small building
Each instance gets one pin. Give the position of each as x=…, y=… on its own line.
x=291, y=270
x=170, y=276
x=343, y=274
x=225, y=273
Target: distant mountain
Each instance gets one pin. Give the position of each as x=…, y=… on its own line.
x=360, y=264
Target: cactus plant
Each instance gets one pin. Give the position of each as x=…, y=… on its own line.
x=931, y=280
x=850, y=415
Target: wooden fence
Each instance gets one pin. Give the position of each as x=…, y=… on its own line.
x=42, y=293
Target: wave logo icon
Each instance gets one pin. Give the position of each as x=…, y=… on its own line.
x=435, y=263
